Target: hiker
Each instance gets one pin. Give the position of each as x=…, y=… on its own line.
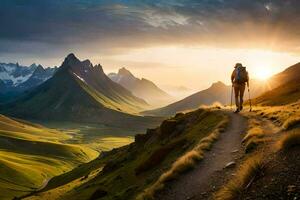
x=239, y=78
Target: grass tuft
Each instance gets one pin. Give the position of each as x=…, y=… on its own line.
x=254, y=137
x=253, y=144
x=250, y=170
x=255, y=132
x=289, y=140
x=291, y=122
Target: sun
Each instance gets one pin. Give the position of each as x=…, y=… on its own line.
x=263, y=74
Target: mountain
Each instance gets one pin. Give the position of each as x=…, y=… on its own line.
x=218, y=92
x=281, y=95
x=179, y=91
x=285, y=88
x=80, y=92
x=14, y=74
x=289, y=74
x=15, y=79
x=39, y=76
x=142, y=88
x=280, y=89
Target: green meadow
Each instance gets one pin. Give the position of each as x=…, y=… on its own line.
x=96, y=136
x=31, y=154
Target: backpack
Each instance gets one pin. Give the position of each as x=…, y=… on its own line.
x=241, y=75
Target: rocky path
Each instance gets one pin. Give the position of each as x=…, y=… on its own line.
x=195, y=184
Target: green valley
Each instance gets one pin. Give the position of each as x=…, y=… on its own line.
x=31, y=154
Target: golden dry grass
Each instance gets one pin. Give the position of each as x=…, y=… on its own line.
x=252, y=144
x=289, y=140
x=254, y=136
x=214, y=105
x=251, y=169
x=256, y=132
x=184, y=163
x=284, y=116
x=291, y=122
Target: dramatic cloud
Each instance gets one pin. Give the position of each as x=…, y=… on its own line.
x=52, y=27
x=171, y=42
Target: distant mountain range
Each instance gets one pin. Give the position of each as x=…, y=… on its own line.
x=142, y=88
x=80, y=92
x=14, y=78
x=218, y=92
x=284, y=87
x=178, y=91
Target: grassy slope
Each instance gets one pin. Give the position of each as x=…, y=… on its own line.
x=282, y=95
x=126, y=172
x=31, y=154
x=116, y=102
x=97, y=136
x=218, y=92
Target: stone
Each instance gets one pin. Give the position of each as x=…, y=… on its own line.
x=230, y=165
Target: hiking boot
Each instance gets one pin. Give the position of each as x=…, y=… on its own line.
x=237, y=111
x=241, y=108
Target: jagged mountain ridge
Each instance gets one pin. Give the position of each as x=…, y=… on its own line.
x=39, y=75
x=79, y=92
x=15, y=74
x=15, y=79
x=142, y=88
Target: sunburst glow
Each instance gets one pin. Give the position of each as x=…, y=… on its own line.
x=263, y=74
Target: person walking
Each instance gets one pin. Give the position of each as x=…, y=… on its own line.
x=239, y=79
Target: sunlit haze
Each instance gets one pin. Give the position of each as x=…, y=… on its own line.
x=198, y=68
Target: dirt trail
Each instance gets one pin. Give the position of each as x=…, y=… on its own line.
x=195, y=184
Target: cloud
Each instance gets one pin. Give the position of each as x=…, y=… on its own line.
x=54, y=26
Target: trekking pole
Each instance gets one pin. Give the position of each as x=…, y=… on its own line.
x=249, y=99
x=231, y=97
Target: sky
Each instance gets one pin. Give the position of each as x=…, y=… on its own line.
x=190, y=43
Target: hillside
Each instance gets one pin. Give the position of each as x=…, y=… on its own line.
x=218, y=92
x=79, y=92
x=142, y=88
x=125, y=172
x=288, y=75
x=31, y=154
x=285, y=88
x=282, y=95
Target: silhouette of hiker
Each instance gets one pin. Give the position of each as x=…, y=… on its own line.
x=239, y=78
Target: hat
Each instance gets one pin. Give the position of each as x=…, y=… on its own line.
x=238, y=65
